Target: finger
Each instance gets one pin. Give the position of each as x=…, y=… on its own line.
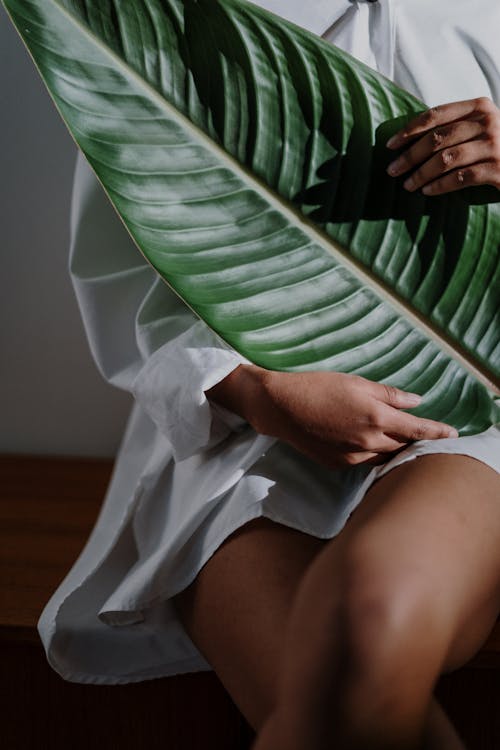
x=408, y=428
x=361, y=457
x=483, y=173
x=436, y=116
x=382, y=458
x=433, y=141
x=395, y=397
x=377, y=440
x=388, y=444
x=456, y=157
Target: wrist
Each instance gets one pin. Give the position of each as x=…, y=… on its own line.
x=243, y=392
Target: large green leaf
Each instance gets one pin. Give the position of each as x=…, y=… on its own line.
x=246, y=157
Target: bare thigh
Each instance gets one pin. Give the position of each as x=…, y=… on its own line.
x=236, y=610
x=435, y=523
x=437, y=517
x=408, y=590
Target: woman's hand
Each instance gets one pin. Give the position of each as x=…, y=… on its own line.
x=451, y=146
x=333, y=418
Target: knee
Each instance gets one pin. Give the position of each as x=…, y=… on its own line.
x=389, y=627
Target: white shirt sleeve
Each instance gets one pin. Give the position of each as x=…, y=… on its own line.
x=171, y=384
x=142, y=336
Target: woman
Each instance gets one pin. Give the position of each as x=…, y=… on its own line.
x=352, y=634
x=222, y=507
x=358, y=629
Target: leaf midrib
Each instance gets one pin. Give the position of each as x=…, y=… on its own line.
x=448, y=345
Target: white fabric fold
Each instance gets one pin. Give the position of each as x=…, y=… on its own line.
x=143, y=338
x=447, y=51
x=188, y=472
x=171, y=388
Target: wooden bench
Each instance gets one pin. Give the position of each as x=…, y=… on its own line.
x=48, y=506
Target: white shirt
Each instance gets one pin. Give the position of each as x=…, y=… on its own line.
x=188, y=473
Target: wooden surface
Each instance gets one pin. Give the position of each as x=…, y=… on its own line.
x=48, y=506
x=47, y=509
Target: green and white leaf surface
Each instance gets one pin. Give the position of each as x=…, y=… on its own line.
x=247, y=159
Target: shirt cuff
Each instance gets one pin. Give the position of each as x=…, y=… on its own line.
x=171, y=387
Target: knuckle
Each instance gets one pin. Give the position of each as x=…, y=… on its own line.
x=376, y=418
x=478, y=174
x=447, y=157
x=420, y=432
x=484, y=104
x=359, y=385
x=405, y=160
x=391, y=395
x=491, y=128
x=430, y=115
x=489, y=121
x=359, y=380
x=464, y=177
x=492, y=134
x=437, y=137
x=362, y=440
x=365, y=442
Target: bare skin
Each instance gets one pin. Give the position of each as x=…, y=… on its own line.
x=333, y=418
x=450, y=147
x=269, y=590
x=339, y=643
x=267, y=611
x=374, y=624
x=238, y=607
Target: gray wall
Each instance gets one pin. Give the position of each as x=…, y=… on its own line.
x=52, y=399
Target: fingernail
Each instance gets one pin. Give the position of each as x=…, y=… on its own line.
x=452, y=433
x=427, y=190
x=413, y=398
x=393, y=168
x=393, y=141
x=409, y=184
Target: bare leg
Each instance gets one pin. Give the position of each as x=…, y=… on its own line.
x=408, y=590
x=439, y=732
x=237, y=609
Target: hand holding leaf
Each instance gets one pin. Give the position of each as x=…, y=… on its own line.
x=334, y=418
x=452, y=146
x=256, y=193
